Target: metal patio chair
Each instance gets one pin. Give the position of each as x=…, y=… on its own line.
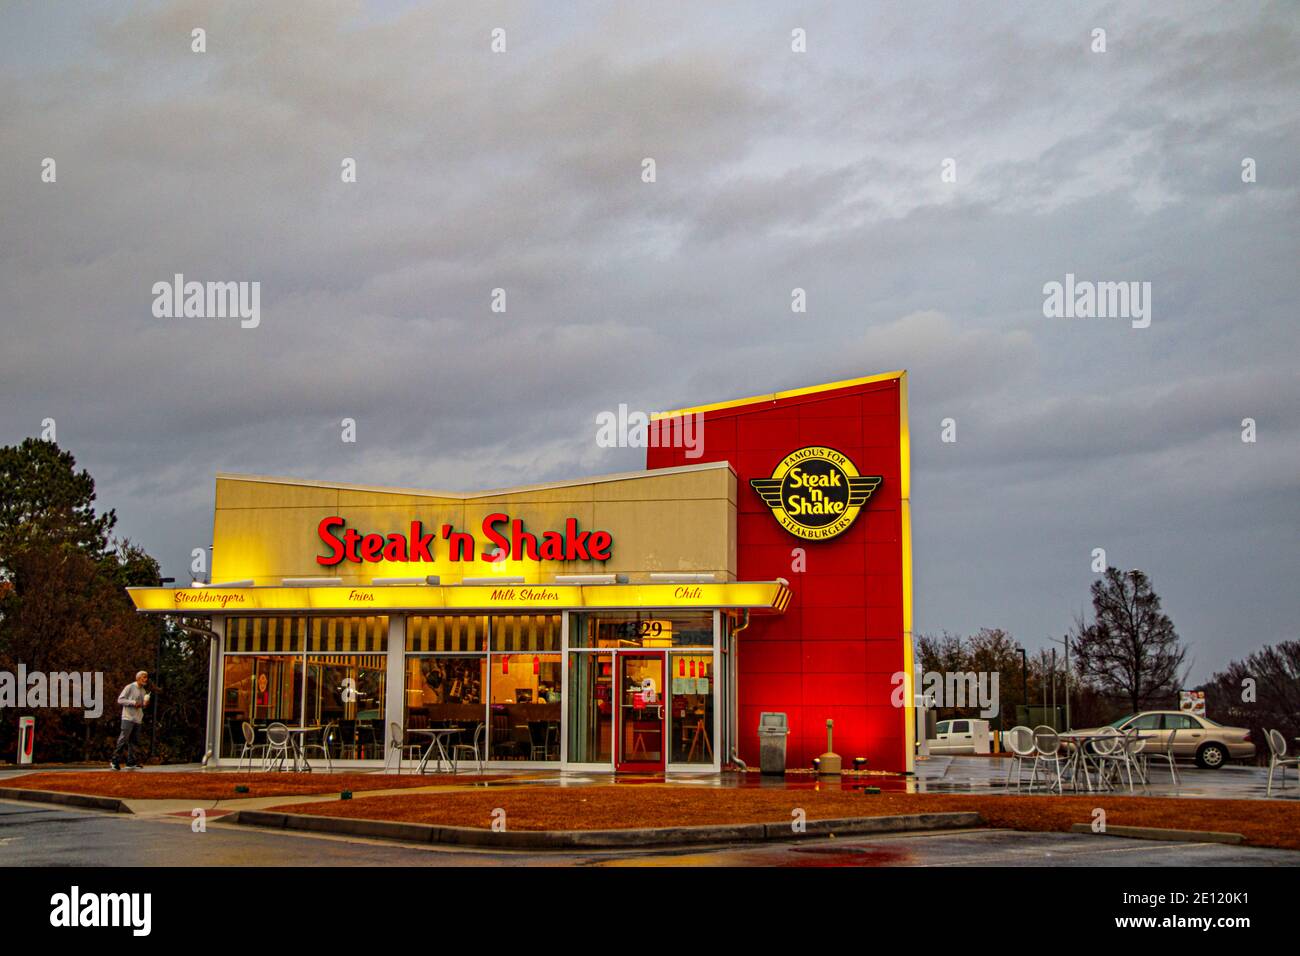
x=251, y=747
x=397, y=744
x=1135, y=749
x=1165, y=753
x=1047, y=747
x=472, y=749
x=1116, y=754
x=323, y=746
x=1278, y=758
x=1103, y=749
x=278, y=745
x=1020, y=741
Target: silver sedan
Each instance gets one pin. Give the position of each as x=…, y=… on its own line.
x=1198, y=738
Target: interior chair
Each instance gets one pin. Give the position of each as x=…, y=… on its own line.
x=502, y=744
x=1047, y=750
x=523, y=741
x=472, y=749
x=537, y=749
x=1278, y=758
x=251, y=747
x=347, y=730
x=366, y=741
x=277, y=745
x=1020, y=741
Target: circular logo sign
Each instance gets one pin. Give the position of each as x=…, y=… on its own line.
x=261, y=683
x=816, y=492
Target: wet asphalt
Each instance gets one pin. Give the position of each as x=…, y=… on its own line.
x=32, y=835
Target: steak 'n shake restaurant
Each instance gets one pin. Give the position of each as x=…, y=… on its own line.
x=638, y=621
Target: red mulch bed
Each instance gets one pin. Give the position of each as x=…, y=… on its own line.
x=141, y=785
x=1275, y=824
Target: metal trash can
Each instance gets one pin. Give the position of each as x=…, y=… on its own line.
x=26, y=738
x=772, y=730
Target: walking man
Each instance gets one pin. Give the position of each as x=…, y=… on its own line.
x=134, y=699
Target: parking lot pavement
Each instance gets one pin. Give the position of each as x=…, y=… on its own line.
x=38, y=836
x=941, y=774
x=957, y=774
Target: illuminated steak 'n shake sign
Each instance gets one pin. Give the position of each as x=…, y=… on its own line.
x=510, y=540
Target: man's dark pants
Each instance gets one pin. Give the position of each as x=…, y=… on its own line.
x=127, y=740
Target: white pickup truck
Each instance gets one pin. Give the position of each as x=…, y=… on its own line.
x=960, y=736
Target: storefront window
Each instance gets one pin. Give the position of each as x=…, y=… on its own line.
x=591, y=708
x=691, y=687
x=446, y=691
x=525, y=706
x=345, y=697
x=263, y=674
x=259, y=690
x=641, y=629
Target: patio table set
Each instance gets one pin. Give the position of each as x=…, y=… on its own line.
x=1091, y=761
x=283, y=743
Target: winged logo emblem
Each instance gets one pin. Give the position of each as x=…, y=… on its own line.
x=816, y=492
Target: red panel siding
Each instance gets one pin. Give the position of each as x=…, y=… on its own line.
x=833, y=653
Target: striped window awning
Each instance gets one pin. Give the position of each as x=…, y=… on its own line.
x=371, y=662
x=525, y=632
x=446, y=633
x=293, y=635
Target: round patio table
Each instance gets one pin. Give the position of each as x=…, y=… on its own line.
x=1079, y=759
x=436, y=737
x=296, y=734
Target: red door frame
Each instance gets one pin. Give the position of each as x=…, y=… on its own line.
x=643, y=766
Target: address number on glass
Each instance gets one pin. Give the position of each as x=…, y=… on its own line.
x=655, y=632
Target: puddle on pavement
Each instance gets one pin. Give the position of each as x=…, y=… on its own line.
x=832, y=856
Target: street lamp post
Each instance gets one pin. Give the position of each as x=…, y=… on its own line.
x=1066, y=641
x=1024, y=675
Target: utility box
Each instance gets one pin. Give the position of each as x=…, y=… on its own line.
x=26, y=738
x=773, y=728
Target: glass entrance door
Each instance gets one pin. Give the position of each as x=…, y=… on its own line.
x=641, y=711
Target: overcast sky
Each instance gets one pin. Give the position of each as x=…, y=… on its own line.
x=774, y=170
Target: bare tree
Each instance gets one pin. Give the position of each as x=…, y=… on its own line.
x=1262, y=692
x=1131, y=650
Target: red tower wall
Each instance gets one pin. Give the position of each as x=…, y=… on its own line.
x=834, y=652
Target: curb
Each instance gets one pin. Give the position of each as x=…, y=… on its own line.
x=58, y=798
x=597, y=839
x=1160, y=833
